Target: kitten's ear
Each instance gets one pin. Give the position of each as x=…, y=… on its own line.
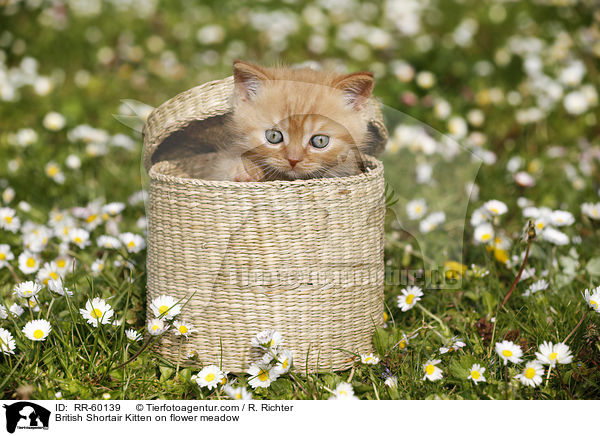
x=357, y=88
x=248, y=79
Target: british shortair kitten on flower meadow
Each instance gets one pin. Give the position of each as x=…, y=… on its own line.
x=294, y=124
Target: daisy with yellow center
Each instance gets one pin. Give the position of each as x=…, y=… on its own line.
x=165, y=307
x=509, y=352
x=27, y=289
x=484, y=233
x=5, y=255
x=267, y=340
x=343, y=391
x=432, y=372
x=132, y=242
x=284, y=362
x=239, y=393
x=79, y=237
x=532, y=374
x=416, y=209
x=592, y=298
x=476, y=374
x=261, y=375
x=550, y=354
x=8, y=220
x=409, y=297
x=369, y=359
x=209, y=377
x=49, y=271
x=37, y=330
x=495, y=207
x=97, y=311
x=156, y=326
x=29, y=262
x=183, y=328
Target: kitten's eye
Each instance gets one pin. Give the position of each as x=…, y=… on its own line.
x=319, y=141
x=273, y=136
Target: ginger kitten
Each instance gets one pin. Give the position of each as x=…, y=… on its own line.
x=294, y=124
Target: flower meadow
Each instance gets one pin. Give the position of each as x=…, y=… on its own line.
x=493, y=171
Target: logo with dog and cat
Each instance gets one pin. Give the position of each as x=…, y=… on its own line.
x=24, y=415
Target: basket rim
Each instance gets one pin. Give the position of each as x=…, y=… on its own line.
x=375, y=171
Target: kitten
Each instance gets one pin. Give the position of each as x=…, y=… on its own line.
x=294, y=124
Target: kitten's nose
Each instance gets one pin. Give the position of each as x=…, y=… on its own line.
x=293, y=162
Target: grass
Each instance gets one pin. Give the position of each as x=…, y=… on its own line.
x=98, y=59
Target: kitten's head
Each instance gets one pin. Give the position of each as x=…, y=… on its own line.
x=298, y=124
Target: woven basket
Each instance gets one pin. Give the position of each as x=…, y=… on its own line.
x=304, y=257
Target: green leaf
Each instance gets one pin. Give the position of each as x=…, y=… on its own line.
x=165, y=373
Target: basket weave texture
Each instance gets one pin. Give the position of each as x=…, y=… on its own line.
x=304, y=257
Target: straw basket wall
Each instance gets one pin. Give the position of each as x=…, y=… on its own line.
x=304, y=257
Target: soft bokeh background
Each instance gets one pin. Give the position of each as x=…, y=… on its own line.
x=484, y=99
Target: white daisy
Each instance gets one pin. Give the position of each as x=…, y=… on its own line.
x=554, y=236
x=410, y=296
x=112, y=209
x=476, y=374
x=432, y=372
x=484, y=233
x=7, y=343
x=431, y=222
x=590, y=210
x=156, y=326
x=495, y=207
x=261, y=375
x=239, y=393
x=416, y=209
x=109, y=242
x=209, y=377
x=97, y=311
x=57, y=287
x=16, y=310
x=5, y=255
x=592, y=298
x=509, y=351
x=369, y=359
x=79, y=237
x=64, y=265
x=267, y=340
x=183, y=328
x=552, y=354
x=454, y=345
x=54, y=121
x=54, y=172
x=132, y=242
x=284, y=361
x=343, y=391
x=8, y=220
x=97, y=266
x=27, y=289
x=540, y=285
x=133, y=335
x=3, y=312
x=561, y=218
x=32, y=303
x=37, y=330
x=165, y=307
x=29, y=262
x=49, y=271
x=532, y=374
